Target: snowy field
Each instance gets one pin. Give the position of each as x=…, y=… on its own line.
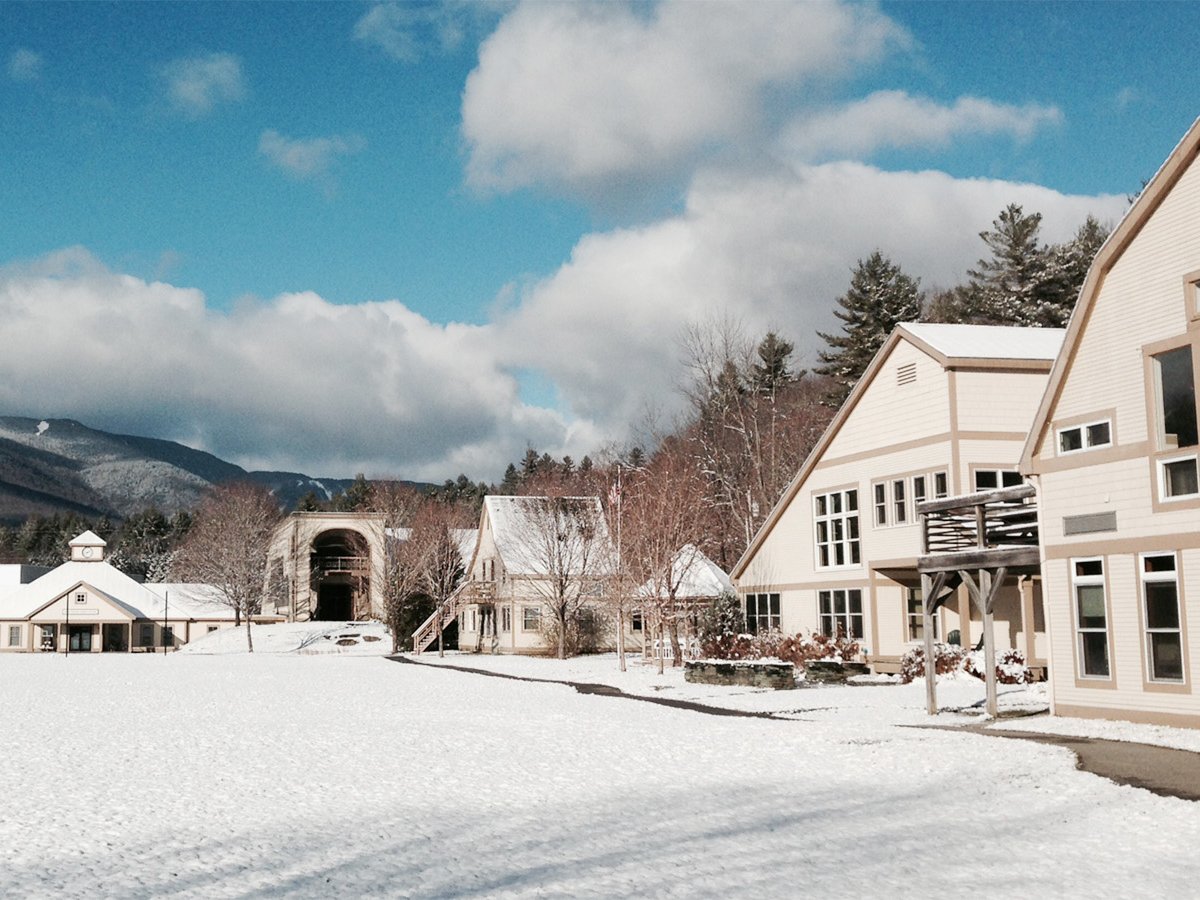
x=340, y=775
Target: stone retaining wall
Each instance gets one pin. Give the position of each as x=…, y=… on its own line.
x=749, y=673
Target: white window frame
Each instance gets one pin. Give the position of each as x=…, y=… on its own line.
x=762, y=619
x=828, y=622
x=531, y=614
x=81, y=597
x=879, y=502
x=1171, y=577
x=14, y=636
x=1163, y=494
x=847, y=518
x=1084, y=581
x=1085, y=441
x=944, y=491
x=505, y=619
x=900, y=501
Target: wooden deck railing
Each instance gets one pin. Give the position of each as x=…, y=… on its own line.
x=990, y=520
x=468, y=592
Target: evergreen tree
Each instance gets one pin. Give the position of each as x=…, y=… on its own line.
x=529, y=465
x=309, y=503
x=585, y=464
x=512, y=480
x=880, y=297
x=1015, y=284
x=771, y=372
x=354, y=498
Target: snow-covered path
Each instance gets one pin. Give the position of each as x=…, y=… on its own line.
x=138, y=776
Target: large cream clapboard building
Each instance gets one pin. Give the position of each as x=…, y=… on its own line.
x=942, y=410
x=1113, y=452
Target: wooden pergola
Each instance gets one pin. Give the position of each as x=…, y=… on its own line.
x=977, y=540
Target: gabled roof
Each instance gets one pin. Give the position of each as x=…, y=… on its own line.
x=88, y=539
x=697, y=576
x=1136, y=217
x=517, y=522
x=951, y=343
x=952, y=346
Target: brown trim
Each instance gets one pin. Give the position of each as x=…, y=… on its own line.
x=825, y=584
x=1007, y=366
x=1138, y=716
x=1191, y=295
x=955, y=473
x=1158, y=543
x=1163, y=687
x=1114, y=247
x=991, y=436
x=909, y=562
x=1156, y=453
x=875, y=452
x=1086, y=459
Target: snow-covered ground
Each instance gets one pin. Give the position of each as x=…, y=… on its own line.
x=296, y=775
x=354, y=638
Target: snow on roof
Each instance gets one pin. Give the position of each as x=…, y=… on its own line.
x=464, y=539
x=517, y=523
x=988, y=341
x=696, y=575
x=88, y=539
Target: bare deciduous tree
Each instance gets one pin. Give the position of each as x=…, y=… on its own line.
x=227, y=548
x=440, y=564
x=562, y=545
x=399, y=506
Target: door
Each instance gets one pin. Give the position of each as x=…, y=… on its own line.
x=81, y=639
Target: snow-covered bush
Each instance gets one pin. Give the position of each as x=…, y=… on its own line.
x=799, y=649
x=721, y=629
x=947, y=659
x=1010, y=667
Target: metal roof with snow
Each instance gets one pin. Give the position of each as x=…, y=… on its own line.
x=954, y=341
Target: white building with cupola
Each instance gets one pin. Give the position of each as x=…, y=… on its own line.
x=87, y=605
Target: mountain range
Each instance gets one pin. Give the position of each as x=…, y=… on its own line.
x=52, y=466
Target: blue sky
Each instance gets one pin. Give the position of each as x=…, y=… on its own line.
x=415, y=239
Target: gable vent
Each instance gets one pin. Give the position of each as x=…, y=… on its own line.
x=906, y=374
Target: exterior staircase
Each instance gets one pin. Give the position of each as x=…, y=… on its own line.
x=468, y=592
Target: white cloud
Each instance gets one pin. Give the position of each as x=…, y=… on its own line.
x=196, y=84
x=307, y=158
x=24, y=65
x=894, y=119
x=408, y=31
x=580, y=95
x=295, y=382
x=772, y=249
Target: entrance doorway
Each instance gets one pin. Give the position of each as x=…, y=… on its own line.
x=80, y=638
x=340, y=565
x=115, y=639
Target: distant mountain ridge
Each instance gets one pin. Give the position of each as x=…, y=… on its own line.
x=51, y=466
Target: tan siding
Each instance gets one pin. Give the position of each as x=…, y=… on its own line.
x=990, y=403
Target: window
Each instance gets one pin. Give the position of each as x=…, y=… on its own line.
x=48, y=641
x=146, y=636
x=505, y=618
x=836, y=522
x=168, y=636
x=531, y=618
x=1176, y=398
x=1085, y=437
x=941, y=485
x=212, y=628
x=916, y=617
x=1164, y=638
x=899, y=502
x=1177, y=477
x=14, y=635
x=81, y=598
x=635, y=621
x=881, y=504
x=841, y=612
x=1091, y=617
x=994, y=479
x=919, y=495
x=762, y=613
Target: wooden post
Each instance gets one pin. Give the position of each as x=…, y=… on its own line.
x=989, y=640
x=927, y=600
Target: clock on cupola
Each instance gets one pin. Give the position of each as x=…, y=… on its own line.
x=88, y=547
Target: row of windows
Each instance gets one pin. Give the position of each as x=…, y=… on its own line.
x=531, y=619
x=1160, y=617
x=895, y=501
x=839, y=610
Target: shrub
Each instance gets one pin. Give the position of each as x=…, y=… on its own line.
x=721, y=626
x=800, y=649
x=946, y=659
x=1010, y=667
